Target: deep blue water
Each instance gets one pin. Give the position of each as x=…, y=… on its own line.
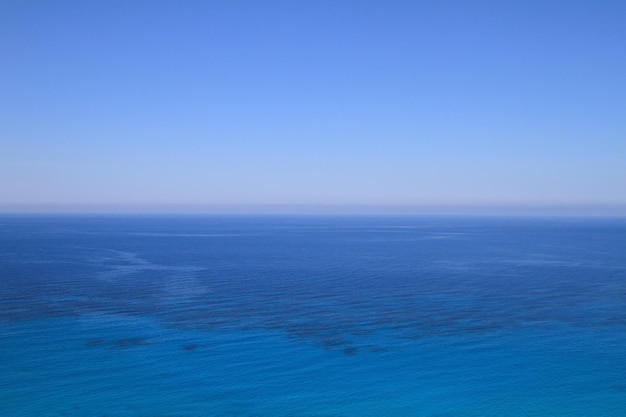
x=312, y=316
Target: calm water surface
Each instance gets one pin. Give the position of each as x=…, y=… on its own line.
x=312, y=316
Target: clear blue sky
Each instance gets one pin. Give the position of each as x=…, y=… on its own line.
x=191, y=105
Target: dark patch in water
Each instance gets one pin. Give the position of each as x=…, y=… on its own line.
x=129, y=342
x=619, y=388
x=350, y=351
x=94, y=342
x=190, y=348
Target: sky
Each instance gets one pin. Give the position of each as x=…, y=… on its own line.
x=313, y=105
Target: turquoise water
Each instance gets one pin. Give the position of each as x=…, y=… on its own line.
x=312, y=316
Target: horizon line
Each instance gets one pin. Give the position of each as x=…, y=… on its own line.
x=531, y=210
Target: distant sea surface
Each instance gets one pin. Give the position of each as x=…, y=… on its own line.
x=278, y=316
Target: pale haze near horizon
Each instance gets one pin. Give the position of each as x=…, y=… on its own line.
x=313, y=106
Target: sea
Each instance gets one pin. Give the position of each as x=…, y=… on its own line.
x=312, y=316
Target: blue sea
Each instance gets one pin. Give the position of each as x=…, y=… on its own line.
x=312, y=316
